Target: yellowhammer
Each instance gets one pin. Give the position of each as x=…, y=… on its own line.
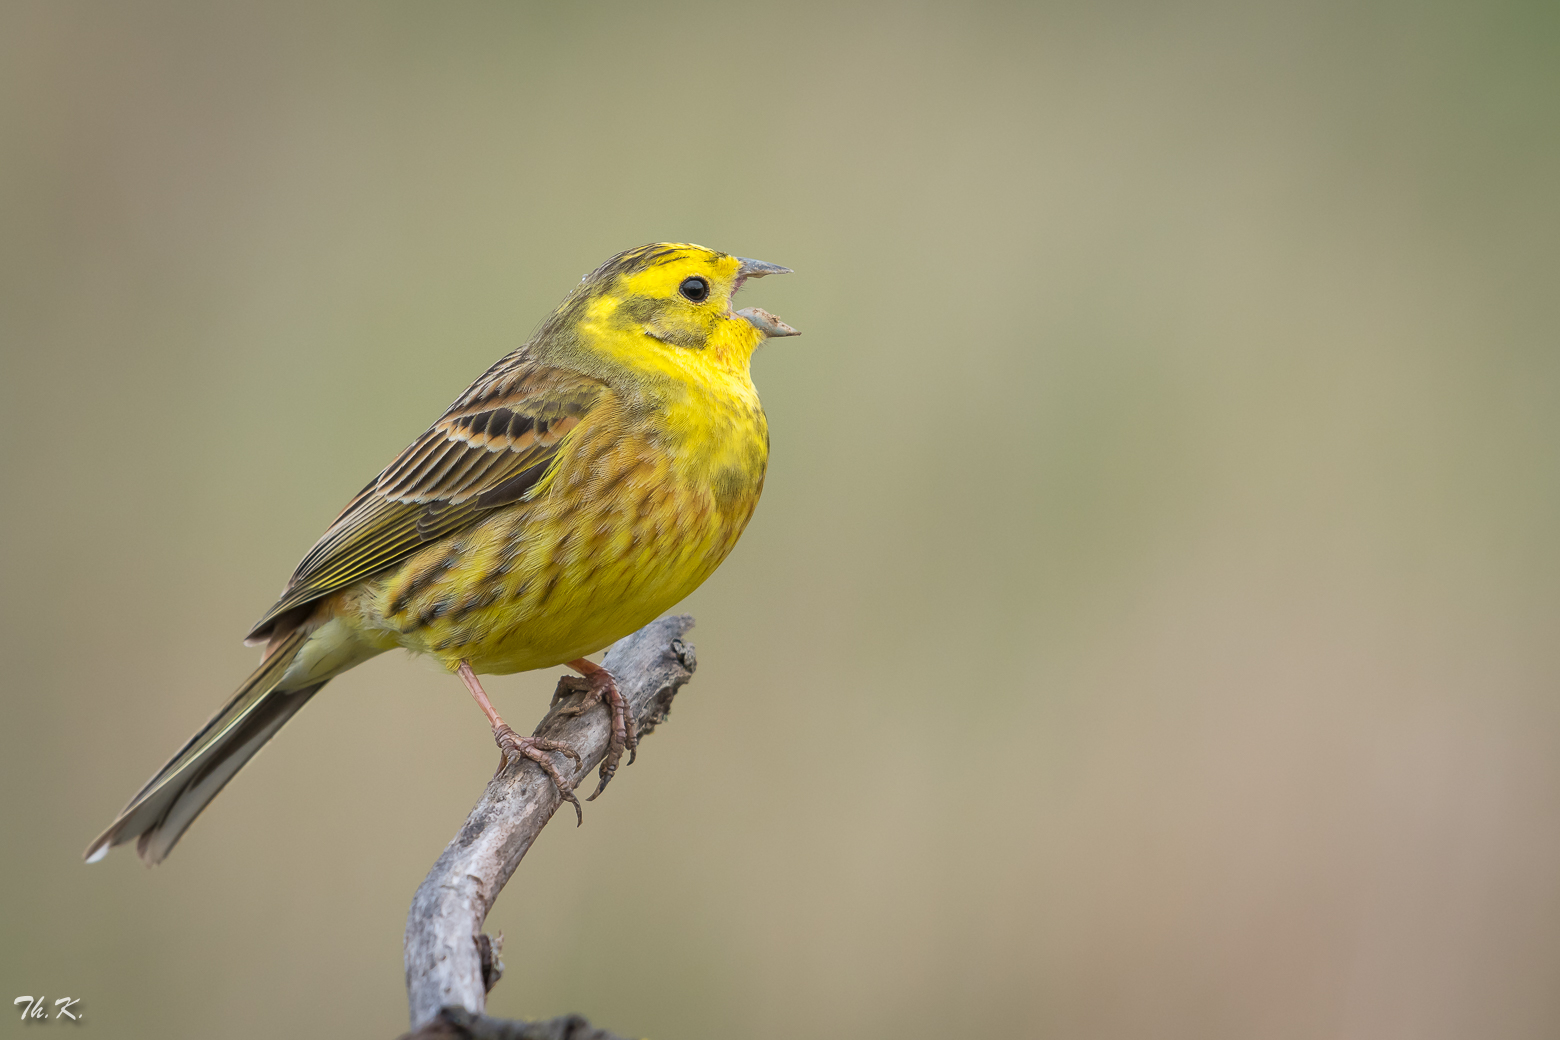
x=584, y=484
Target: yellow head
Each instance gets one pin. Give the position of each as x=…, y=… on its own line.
x=664, y=307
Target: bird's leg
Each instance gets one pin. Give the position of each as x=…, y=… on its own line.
x=625, y=735
x=511, y=743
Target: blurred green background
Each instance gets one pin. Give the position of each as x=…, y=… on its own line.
x=1149, y=628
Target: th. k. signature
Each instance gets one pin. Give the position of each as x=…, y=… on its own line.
x=37, y=1007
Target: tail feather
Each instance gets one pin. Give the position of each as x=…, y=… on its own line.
x=161, y=812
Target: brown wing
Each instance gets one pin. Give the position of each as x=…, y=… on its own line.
x=488, y=450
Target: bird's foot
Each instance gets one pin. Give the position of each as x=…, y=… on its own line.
x=600, y=687
x=537, y=749
x=512, y=744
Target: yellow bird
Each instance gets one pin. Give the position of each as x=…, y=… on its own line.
x=583, y=485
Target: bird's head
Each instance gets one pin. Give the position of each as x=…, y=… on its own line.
x=657, y=304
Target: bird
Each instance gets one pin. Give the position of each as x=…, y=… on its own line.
x=583, y=485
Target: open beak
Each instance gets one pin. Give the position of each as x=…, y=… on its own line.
x=761, y=319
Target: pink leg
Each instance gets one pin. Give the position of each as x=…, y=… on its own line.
x=511, y=743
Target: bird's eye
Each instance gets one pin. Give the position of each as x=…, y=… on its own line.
x=696, y=289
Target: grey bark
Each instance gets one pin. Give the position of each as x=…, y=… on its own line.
x=449, y=962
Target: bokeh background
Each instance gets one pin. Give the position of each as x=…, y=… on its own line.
x=1150, y=625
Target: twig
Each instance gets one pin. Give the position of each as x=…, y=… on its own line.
x=445, y=948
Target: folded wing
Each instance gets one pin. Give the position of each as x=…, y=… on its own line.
x=490, y=449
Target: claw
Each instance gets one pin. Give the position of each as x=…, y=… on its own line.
x=536, y=750
x=625, y=737
x=600, y=687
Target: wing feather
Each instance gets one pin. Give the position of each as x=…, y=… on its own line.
x=490, y=448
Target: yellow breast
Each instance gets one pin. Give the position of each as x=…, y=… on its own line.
x=646, y=499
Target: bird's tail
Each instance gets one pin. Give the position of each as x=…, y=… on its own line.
x=160, y=814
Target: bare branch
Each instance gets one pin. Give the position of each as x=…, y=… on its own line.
x=449, y=963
